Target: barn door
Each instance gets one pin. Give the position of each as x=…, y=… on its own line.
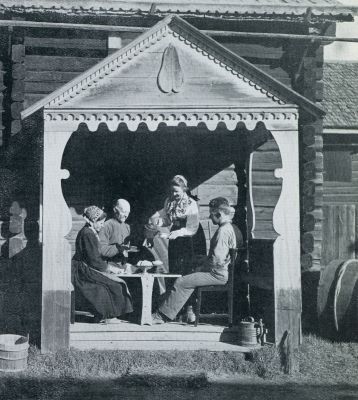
x=339, y=232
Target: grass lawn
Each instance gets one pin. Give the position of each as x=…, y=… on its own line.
x=50, y=375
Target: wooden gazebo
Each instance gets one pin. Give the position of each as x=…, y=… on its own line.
x=177, y=76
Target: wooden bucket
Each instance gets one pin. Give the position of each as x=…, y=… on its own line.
x=248, y=334
x=13, y=353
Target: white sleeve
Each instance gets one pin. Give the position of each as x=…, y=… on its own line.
x=192, y=221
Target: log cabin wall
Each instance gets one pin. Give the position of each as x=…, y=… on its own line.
x=308, y=81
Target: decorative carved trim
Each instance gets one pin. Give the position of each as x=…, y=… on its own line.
x=284, y=118
x=135, y=49
x=183, y=31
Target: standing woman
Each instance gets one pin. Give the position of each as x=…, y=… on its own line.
x=107, y=298
x=181, y=213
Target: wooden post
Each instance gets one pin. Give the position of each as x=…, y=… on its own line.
x=56, y=251
x=18, y=86
x=286, y=222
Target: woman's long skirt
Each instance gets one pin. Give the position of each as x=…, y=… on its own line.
x=108, y=298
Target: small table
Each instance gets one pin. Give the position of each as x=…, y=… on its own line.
x=147, y=281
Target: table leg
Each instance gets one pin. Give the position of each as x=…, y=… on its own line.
x=147, y=288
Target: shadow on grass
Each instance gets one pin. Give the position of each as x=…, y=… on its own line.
x=156, y=386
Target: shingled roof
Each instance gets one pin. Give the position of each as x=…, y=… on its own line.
x=227, y=8
x=340, y=95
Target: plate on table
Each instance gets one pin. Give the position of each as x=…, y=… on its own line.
x=145, y=265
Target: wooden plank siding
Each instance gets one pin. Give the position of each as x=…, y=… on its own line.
x=44, y=74
x=339, y=232
x=50, y=62
x=340, y=212
x=223, y=184
x=268, y=56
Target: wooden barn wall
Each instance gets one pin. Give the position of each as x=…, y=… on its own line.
x=340, y=212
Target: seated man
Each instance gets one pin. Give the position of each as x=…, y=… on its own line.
x=212, y=270
x=114, y=236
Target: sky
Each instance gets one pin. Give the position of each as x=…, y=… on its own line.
x=343, y=51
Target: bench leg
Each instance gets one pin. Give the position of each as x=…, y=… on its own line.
x=147, y=288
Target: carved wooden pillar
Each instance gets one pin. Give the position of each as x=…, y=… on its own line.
x=56, y=253
x=274, y=226
x=286, y=248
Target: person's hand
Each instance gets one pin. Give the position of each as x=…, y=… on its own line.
x=113, y=269
x=173, y=235
x=123, y=248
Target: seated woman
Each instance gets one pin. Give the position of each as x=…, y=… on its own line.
x=107, y=298
x=181, y=215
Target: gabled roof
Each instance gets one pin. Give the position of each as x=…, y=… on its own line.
x=220, y=55
x=340, y=95
x=273, y=8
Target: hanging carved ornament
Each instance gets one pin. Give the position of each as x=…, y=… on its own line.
x=170, y=77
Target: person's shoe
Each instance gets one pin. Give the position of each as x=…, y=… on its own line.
x=113, y=321
x=157, y=319
x=98, y=319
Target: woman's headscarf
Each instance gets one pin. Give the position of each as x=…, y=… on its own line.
x=92, y=213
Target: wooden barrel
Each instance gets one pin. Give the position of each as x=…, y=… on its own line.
x=13, y=353
x=325, y=298
x=248, y=334
x=345, y=304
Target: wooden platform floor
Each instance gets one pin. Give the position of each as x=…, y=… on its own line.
x=123, y=335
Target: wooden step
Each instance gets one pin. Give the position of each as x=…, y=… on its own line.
x=158, y=346
x=124, y=335
x=193, y=335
